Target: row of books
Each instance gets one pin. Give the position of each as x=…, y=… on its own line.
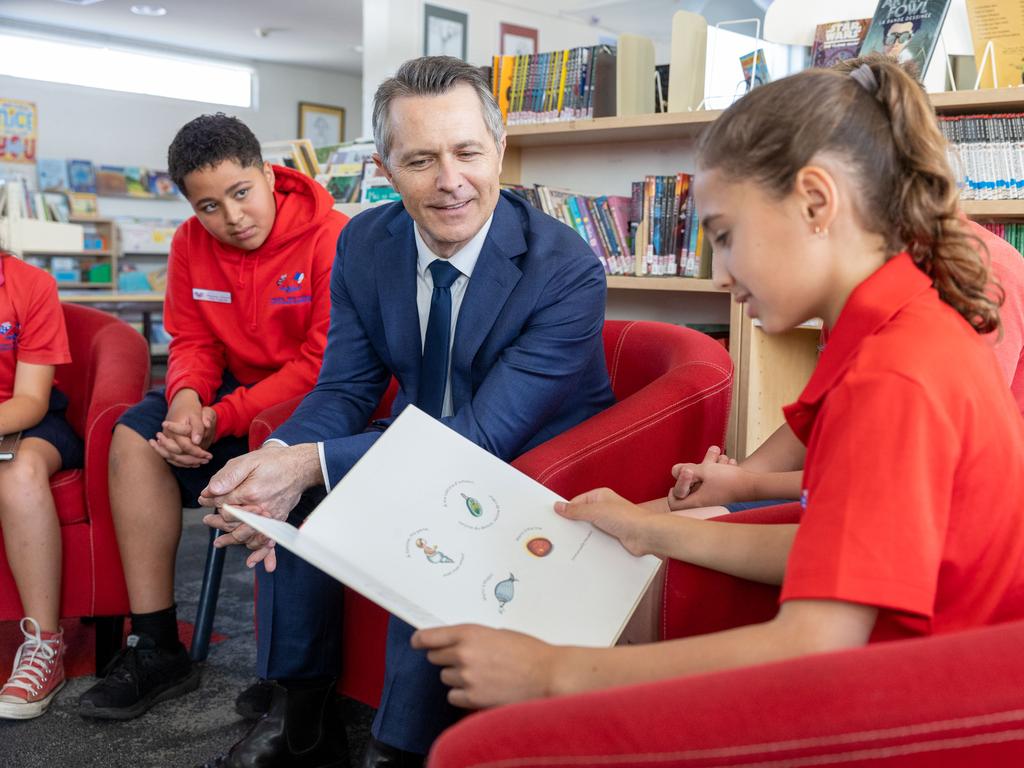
x=18, y=201
x=988, y=152
x=571, y=84
x=653, y=232
x=57, y=174
x=1011, y=233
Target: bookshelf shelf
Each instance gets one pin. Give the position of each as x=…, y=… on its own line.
x=680, y=284
x=988, y=100
x=993, y=209
x=69, y=284
x=112, y=297
x=667, y=125
x=106, y=253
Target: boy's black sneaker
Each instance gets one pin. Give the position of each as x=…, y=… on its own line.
x=140, y=676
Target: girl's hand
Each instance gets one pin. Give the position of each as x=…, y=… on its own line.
x=716, y=480
x=608, y=511
x=488, y=667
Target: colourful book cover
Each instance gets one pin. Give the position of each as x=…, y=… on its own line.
x=110, y=180
x=907, y=31
x=161, y=185
x=838, y=41
x=53, y=173
x=1000, y=22
x=135, y=182
x=755, y=69
x=82, y=176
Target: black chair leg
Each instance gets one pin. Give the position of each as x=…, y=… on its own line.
x=109, y=634
x=207, y=600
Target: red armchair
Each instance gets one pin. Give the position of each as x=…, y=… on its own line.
x=949, y=700
x=109, y=372
x=672, y=387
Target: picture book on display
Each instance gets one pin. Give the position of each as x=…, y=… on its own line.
x=1000, y=22
x=838, y=41
x=53, y=174
x=906, y=29
x=755, y=69
x=465, y=538
x=81, y=176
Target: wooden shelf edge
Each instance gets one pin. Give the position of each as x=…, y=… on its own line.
x=79, y=254
x=603, y=129
x=112, y=297
x=680, y=284
x=987, y=100
x=993, y=209
x=107, y=285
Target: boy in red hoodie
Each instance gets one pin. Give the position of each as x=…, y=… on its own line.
x=248, y=308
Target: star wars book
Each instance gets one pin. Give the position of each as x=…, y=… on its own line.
x=907, y=30
x=464, y=537
x=837, y=41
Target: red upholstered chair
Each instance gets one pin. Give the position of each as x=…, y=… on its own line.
x=939, y=702
x=109, y=372
x=672, y=386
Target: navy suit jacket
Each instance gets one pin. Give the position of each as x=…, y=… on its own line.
x=528, y=358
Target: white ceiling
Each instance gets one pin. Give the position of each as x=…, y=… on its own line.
x=322, y=33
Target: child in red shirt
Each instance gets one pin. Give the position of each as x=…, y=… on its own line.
x=33, y=339
x=247, y=308
x=827, y=195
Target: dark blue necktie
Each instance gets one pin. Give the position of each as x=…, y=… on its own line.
x=434, y=366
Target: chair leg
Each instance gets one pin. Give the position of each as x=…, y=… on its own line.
x=109, y=634
x=208, y=594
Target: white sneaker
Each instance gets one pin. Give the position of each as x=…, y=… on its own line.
x=37, y=675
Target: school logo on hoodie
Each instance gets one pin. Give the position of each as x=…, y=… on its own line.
x=9, y=336
x=288, y=284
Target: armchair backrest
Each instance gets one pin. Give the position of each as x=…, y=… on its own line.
x=104, y=350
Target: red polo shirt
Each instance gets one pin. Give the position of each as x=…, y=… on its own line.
x=31, y=321
x=914, y=480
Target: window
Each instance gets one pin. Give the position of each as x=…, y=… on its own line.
x=94, y=65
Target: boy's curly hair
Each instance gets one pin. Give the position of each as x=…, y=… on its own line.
x=209, y=140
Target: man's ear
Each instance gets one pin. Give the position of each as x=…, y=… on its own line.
x=268, y=173
x=818, y=195
x=383, y=168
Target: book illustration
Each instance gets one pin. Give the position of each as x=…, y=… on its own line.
x=837, y=41
x=474, y=506
x=136, y=183
x=504, y=591
x=906, y=31
x=755, y=70
x=161, y=184
x=539, y=546
x=1000, y=22
x=432, y=553
x=53, y=174
x=111, y=180
x=474, y=509
x=81, y=176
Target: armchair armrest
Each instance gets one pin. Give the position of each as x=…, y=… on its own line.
x=270, y=419
x=632, y=445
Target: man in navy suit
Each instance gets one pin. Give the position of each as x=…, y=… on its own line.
x=489, y=315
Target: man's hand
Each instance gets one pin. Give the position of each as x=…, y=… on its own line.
x=608, y=511
x=715, y=481
x=187, y=432
x=488, y=667
x=268, y=482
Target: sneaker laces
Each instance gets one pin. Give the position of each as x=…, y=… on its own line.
x=34, y=660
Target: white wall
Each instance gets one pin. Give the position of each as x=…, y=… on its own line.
x=129, y=129
x=393, y=33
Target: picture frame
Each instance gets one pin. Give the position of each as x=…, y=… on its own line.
x=517, y=40
x=444, y=32
x=322, y=124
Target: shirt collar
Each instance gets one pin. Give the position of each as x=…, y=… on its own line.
x=464, y=259
x=871, y=305
x=2, y=255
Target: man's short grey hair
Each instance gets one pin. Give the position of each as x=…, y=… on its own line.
x=431, y=76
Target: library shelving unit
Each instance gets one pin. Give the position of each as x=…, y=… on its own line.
x=84, y=258
x=603, y=155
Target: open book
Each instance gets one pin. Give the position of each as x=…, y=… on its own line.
x=9, y=445
x=437, y=531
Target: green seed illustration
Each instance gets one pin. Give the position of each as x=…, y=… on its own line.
x=474, y=506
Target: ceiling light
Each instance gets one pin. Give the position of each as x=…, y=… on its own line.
x=149, y=10
x=81, y=2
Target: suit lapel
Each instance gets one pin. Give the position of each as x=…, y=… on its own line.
x=395, y=264
x=494, y=278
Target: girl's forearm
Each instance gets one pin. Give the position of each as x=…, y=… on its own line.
x=21, y=412
x=755, y=552
x=777, y=485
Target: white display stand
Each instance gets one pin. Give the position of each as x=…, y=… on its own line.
x=19, y=235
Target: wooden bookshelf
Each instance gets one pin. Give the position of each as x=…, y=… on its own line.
x=678, y=284
x=987, y=100
x=110, y=297
x=989, y=210
x=666, y=125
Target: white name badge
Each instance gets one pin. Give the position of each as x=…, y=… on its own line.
x=204, y=294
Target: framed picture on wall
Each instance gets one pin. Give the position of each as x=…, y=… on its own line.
x=321, y=124
x=444, y=32
x=517, y=41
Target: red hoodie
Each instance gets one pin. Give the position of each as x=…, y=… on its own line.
x=261, y=314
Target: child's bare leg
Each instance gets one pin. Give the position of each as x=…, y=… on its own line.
x=31, y=530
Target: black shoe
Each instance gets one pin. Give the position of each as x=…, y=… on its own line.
x=140, y=676
x=254, y=701
x=380, y=755
x=302, y=729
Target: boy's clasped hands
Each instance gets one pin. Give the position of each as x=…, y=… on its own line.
x=187, y=432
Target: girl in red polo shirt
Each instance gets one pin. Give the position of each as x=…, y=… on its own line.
x=826, y=194
x=33, y=339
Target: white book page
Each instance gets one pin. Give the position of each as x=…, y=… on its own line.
x=438, y=531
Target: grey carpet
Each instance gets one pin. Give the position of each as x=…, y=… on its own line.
x=183, y=732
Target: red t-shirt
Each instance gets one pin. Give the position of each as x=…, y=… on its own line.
x=31, y=321
x=914, y=479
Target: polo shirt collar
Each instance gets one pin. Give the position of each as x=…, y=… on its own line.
x=871, y=305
